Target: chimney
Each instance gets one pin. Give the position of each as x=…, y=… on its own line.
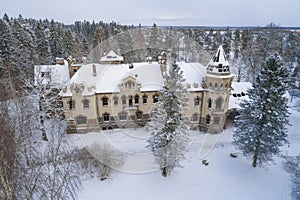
x=94, y=70
x=163, y=62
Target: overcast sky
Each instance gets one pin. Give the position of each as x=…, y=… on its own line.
x=162, y=12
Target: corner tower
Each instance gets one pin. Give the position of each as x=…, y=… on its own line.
x=217, y=88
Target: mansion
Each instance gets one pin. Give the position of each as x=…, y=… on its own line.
x=112, y=95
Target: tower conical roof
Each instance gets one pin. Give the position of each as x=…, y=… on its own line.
x=219, y=58
x=219, y=64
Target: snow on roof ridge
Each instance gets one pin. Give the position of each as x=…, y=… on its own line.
x=219, y=57
x=112, y=56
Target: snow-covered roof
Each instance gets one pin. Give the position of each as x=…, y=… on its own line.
x=193, y=73
x=55, y=75
x=111, y=57
x=108, y=78
x=238, y=94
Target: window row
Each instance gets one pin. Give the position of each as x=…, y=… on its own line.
x=216, y=85
x=208, y=120
x=123, y=116
x=219, y=103
x=132, y=100
x=85, y=104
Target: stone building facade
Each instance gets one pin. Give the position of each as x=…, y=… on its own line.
x=115, y=95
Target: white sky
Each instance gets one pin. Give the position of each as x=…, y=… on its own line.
x=162, y=12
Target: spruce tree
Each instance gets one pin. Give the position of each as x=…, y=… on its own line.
x=261, y=129
x=168, y=125
x=42, y=55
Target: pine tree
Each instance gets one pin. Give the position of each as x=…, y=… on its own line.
x=261, y=130
x=169, y=136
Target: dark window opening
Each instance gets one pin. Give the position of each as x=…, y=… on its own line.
x=104, y=101
x=71, y=104
x=136, y=99
x=106, y=117
x=209, y=103
x=208, y=119
x=130, y=101
x=145, y=98
x=155, y=98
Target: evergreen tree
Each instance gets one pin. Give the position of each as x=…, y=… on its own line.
x=42, y=55
x=154, y=42
x=55, y=41
x=68, y=45
x=169, y=136
x=261, y=130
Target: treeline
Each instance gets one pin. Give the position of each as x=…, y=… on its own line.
x=28, y=42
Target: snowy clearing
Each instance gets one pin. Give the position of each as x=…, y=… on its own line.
x=223, y=178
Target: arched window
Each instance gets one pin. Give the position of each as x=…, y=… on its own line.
x=129, y=84
x=208, y=118
x=116, y=100
x=123, y=115
x=124, y=100
x=209, y=102
x=80, y=119
x=104, y=101
x=145, y=97
x=130, y=101
x=197, y=101
x=106, y=117
x=139, y=114
x=195, y=117
x=136, y=99
x=155, y=98
x=216, y=85
x=86, y=103
x=219, y=104
x=77, y=90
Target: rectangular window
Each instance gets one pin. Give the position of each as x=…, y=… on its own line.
x=116, y=101
x=216, y=120
x=106, y=117
x=123, y=116
x=195, y=118
x=72, y=104
x=80, y=120
x=104, y=101
x=86, y=104
x=145, y=100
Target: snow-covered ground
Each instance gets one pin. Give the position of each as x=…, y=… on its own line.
x=224, y=178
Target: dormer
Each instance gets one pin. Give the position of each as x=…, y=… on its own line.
x=129, y=82
x=111, y=58
x=219, y=64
